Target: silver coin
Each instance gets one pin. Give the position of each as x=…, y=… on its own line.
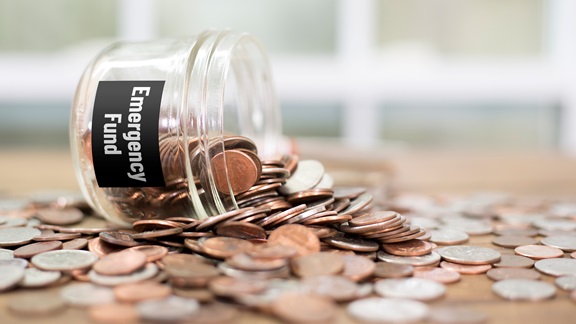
x=514, y=261
x=523, y=289
x=391, y=310
x=553, y=225
x=39, y=278
x=22, y=263
x=466, y=254
x=6, y=254
x=411, y=288
x=17, y=235
x=64, y=260
x=565, y=243
x=557, y=267
x=10, y=276
x=149, y=271
x=36, y=304
x=14, y=222
x=416, y=261
x=337, y=288
x=169, y=309
x=457, y=315
x=87, y=294
x=448, y=236
x=308, y=174
x=326, y=182
x=470, y=227
x=357, y=204
x=566, y=282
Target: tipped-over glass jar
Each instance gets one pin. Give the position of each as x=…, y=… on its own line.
x=174, y=127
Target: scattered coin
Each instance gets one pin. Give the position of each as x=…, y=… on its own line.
x=514, y=261
x=440, y=275
x=392, y=310
x=231, y=287
x=352, y=243
x=337, y=288
x=14, y=236
x=6, y=254
x=310, y=308
x=448, y=237
x=392, y=270
x=464, y=254
x=140, y=291
x=566, y=282
x=30, y=250
x=36, y=304
x=64, y=260
x=538, y=252
x=152, y=252
x=11, y=276
x=512, y=273
x=86, y=294
x=564, y=243
x=410, y=288
x=510, y=241
x=168, y=309
x=120, y=263
x=457, y=315
x=295, y=236
x=557, y=267
x=225, y=247
x=34, y=278
x=215, y=313
x=149, y=271
x=307, y=176
x=357, y=268
x=114, y=313
x=523, y=289
x=75, y=244
x=465, y=268
x=320, y=263
x=63, y=216
x=22, y=263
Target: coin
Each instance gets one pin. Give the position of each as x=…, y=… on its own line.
x=17, y=235
x=319, y=263
x=56, y=237
x=523, y=289
x=64, y=260
x=139, y=291
x=36, y=304
x=241, y=230
x=448, y=237
x=512, y=273
x=113, y=313
x=231, y=287
x=358, y=204
x=538, y=252
x=337, y=288
x=75, y=244
x=22, y=263
x=295, y=236
x=39, y=278
x=465, y=268
x=244, y=261
x=234, y=171
x=440, y=275
x=357, y=268
x=30, y=250
x=307, y=176
x=6, y=254
x=86, y=294
x=573, y=255
x=392, y=270
x=514, y=261
x=119, y=238
x=215, y=313
x=63, y=216
x=566, y=282
x=373, y=218
x=422, y=260
x=149, y=271
x=408, y=248
x=564, y=243
x=272, y=251
x=457, y=315
x=410, y=288
x=168, y=309
x=393, y=310
x=225, y=247
x=510, y=241
x=464, y=254
x=557, y=267
x=302, y=308
x=352, y=243
x=11, y=276
x=120, y=263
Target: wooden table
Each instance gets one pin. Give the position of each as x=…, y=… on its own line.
x=524, y=173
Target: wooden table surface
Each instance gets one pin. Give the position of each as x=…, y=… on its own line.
x=522, y=173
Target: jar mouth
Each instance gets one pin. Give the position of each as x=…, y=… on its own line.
x=221, y=63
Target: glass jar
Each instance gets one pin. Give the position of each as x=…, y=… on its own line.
x=150, y=120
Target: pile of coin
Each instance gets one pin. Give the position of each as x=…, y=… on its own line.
x=296, y=249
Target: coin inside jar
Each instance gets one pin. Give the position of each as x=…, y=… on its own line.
x=234, y=171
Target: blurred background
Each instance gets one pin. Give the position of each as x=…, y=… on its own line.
x=474, y=74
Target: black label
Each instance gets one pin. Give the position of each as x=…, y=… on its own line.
x=125, y=134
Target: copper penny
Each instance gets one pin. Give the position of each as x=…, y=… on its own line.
x=225, y=247
x=514, y=261
x=300, y=308
x=573, y=255
x=373, y=218
x=322, y=232
x=516, y=232
x=296, y=236
x=202, y=295
x=64, y=216
x=158, y=233
x=119, y=238
x=282, y=216
x=512, y=273
x=337, y=288
x=441, y=275
x=139, y=291
x=56, y=237
x=510, y=241
x=348, y=192
x=352, y=243
x=216, y=313
x=75, y=244
x=538, y=252
x=102, y=248
x=210, y=222
x=230, y=287
x=392, y=270
x=375, y=227
x=152, y=252
x=114, y=313
x=30, y=250
x=36, y=304
x=408, y=248
x=320, y=263
x=120, y=263
x=357, y=268
x=234, y=171
x=272, y=251
x=464, y=268
x=146, y=225
x=326, y=220
x=241, y=230
x=244, y=261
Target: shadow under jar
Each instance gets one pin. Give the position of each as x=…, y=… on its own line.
x=174, y=127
